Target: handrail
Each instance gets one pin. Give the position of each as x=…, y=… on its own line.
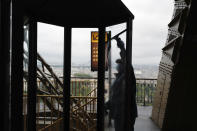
x=108, y=78
x=60, y=96
x=88, y=97
x=84, y=96
x=92, y=91
x=85, y=104
x=49, y=69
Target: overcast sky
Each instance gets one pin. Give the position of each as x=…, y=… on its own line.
x=149, y=35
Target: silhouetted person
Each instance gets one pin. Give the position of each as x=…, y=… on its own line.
x=133, y=105
x=120, y=45
x=117, y=99
x=118, y=91
x=108, y=105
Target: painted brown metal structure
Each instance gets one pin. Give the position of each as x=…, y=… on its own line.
x=68, y=14
x=174, y=107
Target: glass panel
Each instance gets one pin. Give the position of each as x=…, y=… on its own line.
x=115, y=85
x=49, y=106
x=83, y=83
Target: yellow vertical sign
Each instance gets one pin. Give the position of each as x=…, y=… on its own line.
x=94, y=51
x=94, y=37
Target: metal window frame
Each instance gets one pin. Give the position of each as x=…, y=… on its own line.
x=5, y=61
x=32, y=76
x=16, y=66
x=17, y=72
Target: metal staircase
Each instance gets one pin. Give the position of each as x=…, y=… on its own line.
x=50, y=92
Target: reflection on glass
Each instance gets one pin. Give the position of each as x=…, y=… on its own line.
x=114, y=105
x=25, y=69
x=115, y=97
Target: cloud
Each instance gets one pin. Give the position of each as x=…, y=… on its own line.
x=149, y=28
x=149, y=35
x=50, y=43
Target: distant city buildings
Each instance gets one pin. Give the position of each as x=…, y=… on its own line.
x=141, y=71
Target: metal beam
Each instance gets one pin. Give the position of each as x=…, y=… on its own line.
x=129, y=41
x=17, y=66
x=66, y=77
x=101, y=79
x=32, y=76
x=117, y=35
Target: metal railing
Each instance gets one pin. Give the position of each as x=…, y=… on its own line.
x=83, y=86
x=48, y=110
x=83, y=102
x=145, y=89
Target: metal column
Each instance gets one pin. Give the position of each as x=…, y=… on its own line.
x=5, y=61
x=17, y=66
x=32, y=76
x=101, y=79
x=128, y=92
x=66, y=77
